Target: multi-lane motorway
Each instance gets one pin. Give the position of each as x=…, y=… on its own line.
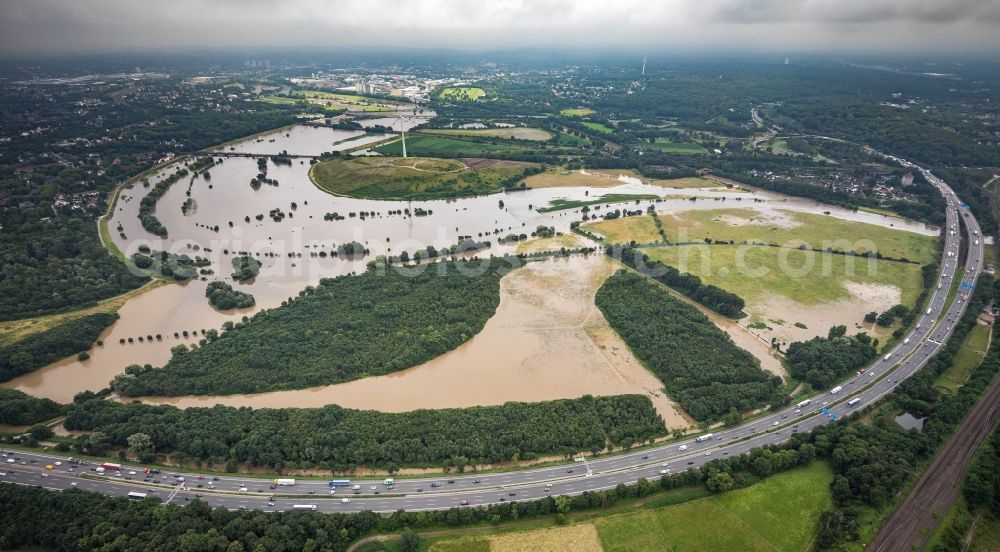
x=932, y=330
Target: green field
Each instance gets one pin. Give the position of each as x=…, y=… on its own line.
x=576, y=112
x=430, y=146
x=679, y=147
x=517, y=133
x=565, y=139
x=967, y=358
x=626, y=229
x=764, y=274
x=562, y=204
x=411, y=178
x=331, y=100
x=816, y=231
x=462, y=93
x=779, y=513
x=599, y=127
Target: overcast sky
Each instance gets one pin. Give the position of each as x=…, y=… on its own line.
x=29, y=26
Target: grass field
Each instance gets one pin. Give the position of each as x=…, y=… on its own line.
x=599, y=127
x=764, y=273
x=410, y=178
x=594, y=178
x=779, y=513
x=517, y=133
x=679, y=147
x=987, y=537
x=968, y=357
x=565, y=139
x=788, y=227
x=555, y=243
x=429, y=146
x=562, y=204
x=330, y=100
x=16, y=330
x=576, y=112
x=462, y=93
x=626, y=229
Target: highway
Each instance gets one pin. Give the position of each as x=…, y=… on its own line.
x=932, y=330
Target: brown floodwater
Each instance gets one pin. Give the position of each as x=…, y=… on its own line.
x=289, y=250
x=547, y=340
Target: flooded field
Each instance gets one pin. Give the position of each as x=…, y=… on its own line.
x=547, y=340
x=531, y=356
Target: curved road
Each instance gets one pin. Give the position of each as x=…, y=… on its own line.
x=932, y=330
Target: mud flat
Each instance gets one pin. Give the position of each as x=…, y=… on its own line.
x=546, y=341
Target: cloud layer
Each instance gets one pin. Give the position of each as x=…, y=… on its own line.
x=796, y=25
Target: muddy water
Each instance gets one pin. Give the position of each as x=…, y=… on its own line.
x=227, y=197
x=546, y=341
x=303, y=140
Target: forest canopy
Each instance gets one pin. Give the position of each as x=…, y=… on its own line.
x=699, y=364
x=348, y=327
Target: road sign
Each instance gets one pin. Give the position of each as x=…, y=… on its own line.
x=825, y=410
x=833, y=416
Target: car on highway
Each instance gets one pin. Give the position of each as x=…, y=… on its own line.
x=664, y=472
x=345, y=501
x=463, y=503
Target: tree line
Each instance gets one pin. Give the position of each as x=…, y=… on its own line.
x=56, y=343
x=349, y=327
x=823, y=361
x=700, y=366
x=342, y=439
x=20, y=409
x=713, y=297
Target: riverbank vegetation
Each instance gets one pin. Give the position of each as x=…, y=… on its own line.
x=37, y=350
x=21, y=409
x=700, y=366
x=55, y=264
x=342, y=439
x=222, y=296
x=416, y=178
x=345, y=328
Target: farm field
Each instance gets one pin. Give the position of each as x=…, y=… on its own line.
x=516, y=133
x=576, y=112
x=562, y=204
x=555, y=243
x=462, y=93
x=427, y=145
x=789, y=227
x=969, y=355
x=679, y=147
x=413, y=177
x=566, y=139
x=777, y=514
x=795, y=295
x=331, y=101
x=599, y=127
x=593, y=178
x=626, y=229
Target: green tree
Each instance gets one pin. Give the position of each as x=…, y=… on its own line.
x=409, y=541
x=40, y=432
x=719, y=482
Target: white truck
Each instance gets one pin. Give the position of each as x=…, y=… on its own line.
x=803, y=403
x=854, y=401
x=283, y=482
x=703, y=438
x=306, y=507
x=886, y=357
x=836, y=390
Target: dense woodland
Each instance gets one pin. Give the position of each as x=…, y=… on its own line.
x=21, y=409
x=823, y=361
x=55, y=265
x=713, y=297
x=42, y=348
x=346, y=328
x=700, y=366
x=340, y=439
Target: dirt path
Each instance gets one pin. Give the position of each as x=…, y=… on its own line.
x=916, y=519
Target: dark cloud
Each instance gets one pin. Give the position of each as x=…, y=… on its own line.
x=799, y=25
